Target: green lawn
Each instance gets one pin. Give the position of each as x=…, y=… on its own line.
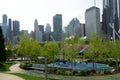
x=106, y=77
x=5, y=67
x=29, y=77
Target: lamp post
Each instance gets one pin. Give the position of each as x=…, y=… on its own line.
x=93, y=60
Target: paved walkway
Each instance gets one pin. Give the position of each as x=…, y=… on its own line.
x=15, y=68
x=4, y=76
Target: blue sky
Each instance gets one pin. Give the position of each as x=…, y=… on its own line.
x=26, y=11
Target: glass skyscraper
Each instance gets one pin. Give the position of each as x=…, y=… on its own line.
x=4, y=25
x=16, y=28
x=57, y=27
x=110, y=15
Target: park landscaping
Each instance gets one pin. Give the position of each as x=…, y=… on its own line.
x=97, y=50
x=4, y=67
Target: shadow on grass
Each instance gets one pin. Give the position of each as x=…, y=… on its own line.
x=5, y=66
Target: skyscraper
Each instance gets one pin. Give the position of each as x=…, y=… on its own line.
x=74, y=28
x=41, y=28
x=110, y=15
x=92, y=26
x=118, y=8
x=16, y=28
x=4, y=25
x=9, y=32
x=48, y=28
x=4, y=18
x=37, y=32
x=57, y=27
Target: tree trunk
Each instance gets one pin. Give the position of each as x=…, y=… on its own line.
x=117, y=65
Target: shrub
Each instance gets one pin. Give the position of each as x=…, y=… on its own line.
x=112, y=63
x=59, y=71
x=88, y=72
x=119, y=69
x=75, y=72
x=106, y=71
x=93, y=71
x=49, y=70
x=25, y=65
x=68, y=73
x=82, y=73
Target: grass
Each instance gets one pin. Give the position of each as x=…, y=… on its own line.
x=5, y=67
x=29, y=77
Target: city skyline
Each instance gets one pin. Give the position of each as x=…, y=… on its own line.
x=43, y=10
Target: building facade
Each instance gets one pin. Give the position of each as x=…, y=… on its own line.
x=110, y=15
x=37, y=32
x=48, y=28
x=57, y=27
x=16, y=28
x=118, y=8
x=92, y=26
x=41, y=28
x=9, y=32
x=4, y=26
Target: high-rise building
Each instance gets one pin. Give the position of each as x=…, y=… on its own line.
x=57, y=27
x=4, y=18
x=25, y=32
x=82, y=29
x=16, y=28
x=92, y=26
x=9, y=32
x=41, y=28
x=48, y=28
x=118, y=8
x=4, y=25
x=47, y=34
x=74, y=27
x=110, y=15
x=37, y=32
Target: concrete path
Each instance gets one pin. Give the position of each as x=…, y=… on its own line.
x=15, y=68
x=4, y=76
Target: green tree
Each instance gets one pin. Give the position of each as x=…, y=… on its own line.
x=115, y=52
x=72, y=46
x=29, y=48
x=94, y=49
x=9, y=51
x=2, y=47
x=51, y=50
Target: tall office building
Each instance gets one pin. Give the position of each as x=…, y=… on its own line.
x=57, y=27
x=82, y=30
x=37, y=32
x=4, y=25
x=92, y=26
x=74, y=28
x=110, y=15
x=16, y=28
x=48, y=28
x=4, y=18
x=9, y=32
x=41, y=28
x=118, y=8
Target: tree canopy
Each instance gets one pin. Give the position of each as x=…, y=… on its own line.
x=2, y=47
x=29, y=47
